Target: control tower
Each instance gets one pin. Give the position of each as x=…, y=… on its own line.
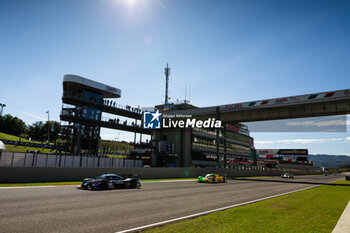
x=83, y=103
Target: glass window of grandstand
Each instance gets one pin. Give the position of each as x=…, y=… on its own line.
x=203, y=156
x=209, y=143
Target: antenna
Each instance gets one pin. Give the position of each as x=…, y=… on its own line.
x=185, y=92
x=167, y=73
x=189, y=97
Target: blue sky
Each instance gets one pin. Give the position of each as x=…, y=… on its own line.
x=226, y=51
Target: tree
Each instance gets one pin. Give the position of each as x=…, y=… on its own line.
x=55, y=129
x=12, y=125
x=37, y=130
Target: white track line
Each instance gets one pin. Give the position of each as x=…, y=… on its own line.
x=209, y=211
x=29, y=187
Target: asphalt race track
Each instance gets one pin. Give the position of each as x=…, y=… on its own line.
x=68, y=209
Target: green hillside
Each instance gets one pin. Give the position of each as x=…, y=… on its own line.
x=331, y=161
x=105, y=145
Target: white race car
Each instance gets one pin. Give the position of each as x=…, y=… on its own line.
x=287, y=175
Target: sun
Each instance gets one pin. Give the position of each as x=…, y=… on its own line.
x=130, y=4
x=139, y=3
x=137, y=11
x=134, y=3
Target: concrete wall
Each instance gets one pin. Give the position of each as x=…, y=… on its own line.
x=36, y=174
x=296, y=166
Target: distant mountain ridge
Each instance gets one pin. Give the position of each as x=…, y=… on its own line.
x=331, y=161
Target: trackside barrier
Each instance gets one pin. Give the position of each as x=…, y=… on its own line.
x=42, y=174
x=14, y=159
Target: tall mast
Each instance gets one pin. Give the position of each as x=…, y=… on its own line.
x=167, y=73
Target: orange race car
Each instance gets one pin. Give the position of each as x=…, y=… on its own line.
x=212, y=178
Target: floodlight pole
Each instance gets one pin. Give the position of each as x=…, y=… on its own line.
x=2, y=108
x=48, y=126
x=167, y=73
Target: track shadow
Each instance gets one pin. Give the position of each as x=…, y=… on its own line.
x=106, y=190
x=291, y=181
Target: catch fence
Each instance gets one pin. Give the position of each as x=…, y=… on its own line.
x=16, y=159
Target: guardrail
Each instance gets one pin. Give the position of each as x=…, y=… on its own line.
x=42, y=174
x=16, y=159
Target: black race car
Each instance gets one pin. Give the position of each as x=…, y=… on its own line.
x=110, y=181
x=347, y=177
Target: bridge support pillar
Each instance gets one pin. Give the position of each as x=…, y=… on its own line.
x=225, y=146
x=218, y=137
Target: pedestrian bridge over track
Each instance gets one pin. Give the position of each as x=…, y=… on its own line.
x=309, y=105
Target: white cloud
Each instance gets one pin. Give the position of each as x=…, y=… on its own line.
x=34, y=116
x=108, y=136
x=301, y=141
x=13, y=98
x=318, y=123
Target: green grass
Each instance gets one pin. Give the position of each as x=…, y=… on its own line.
x=116, y=156
x=16, y=138
x=13, y=148
x=313, y=210
x=114, y=146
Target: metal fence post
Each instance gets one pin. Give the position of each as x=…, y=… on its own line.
x=33, y=160
x=47, y=156
x=36, y=159
x=81, y=160
x=24, y=160
x=59, y=162
x=13, y=154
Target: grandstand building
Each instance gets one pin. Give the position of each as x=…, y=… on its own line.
x=199, y=147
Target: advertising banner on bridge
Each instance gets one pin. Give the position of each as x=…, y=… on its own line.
x=267, y=153
x=237, y=129
x=285, y=154
x=291, y=158
x=299, y=152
